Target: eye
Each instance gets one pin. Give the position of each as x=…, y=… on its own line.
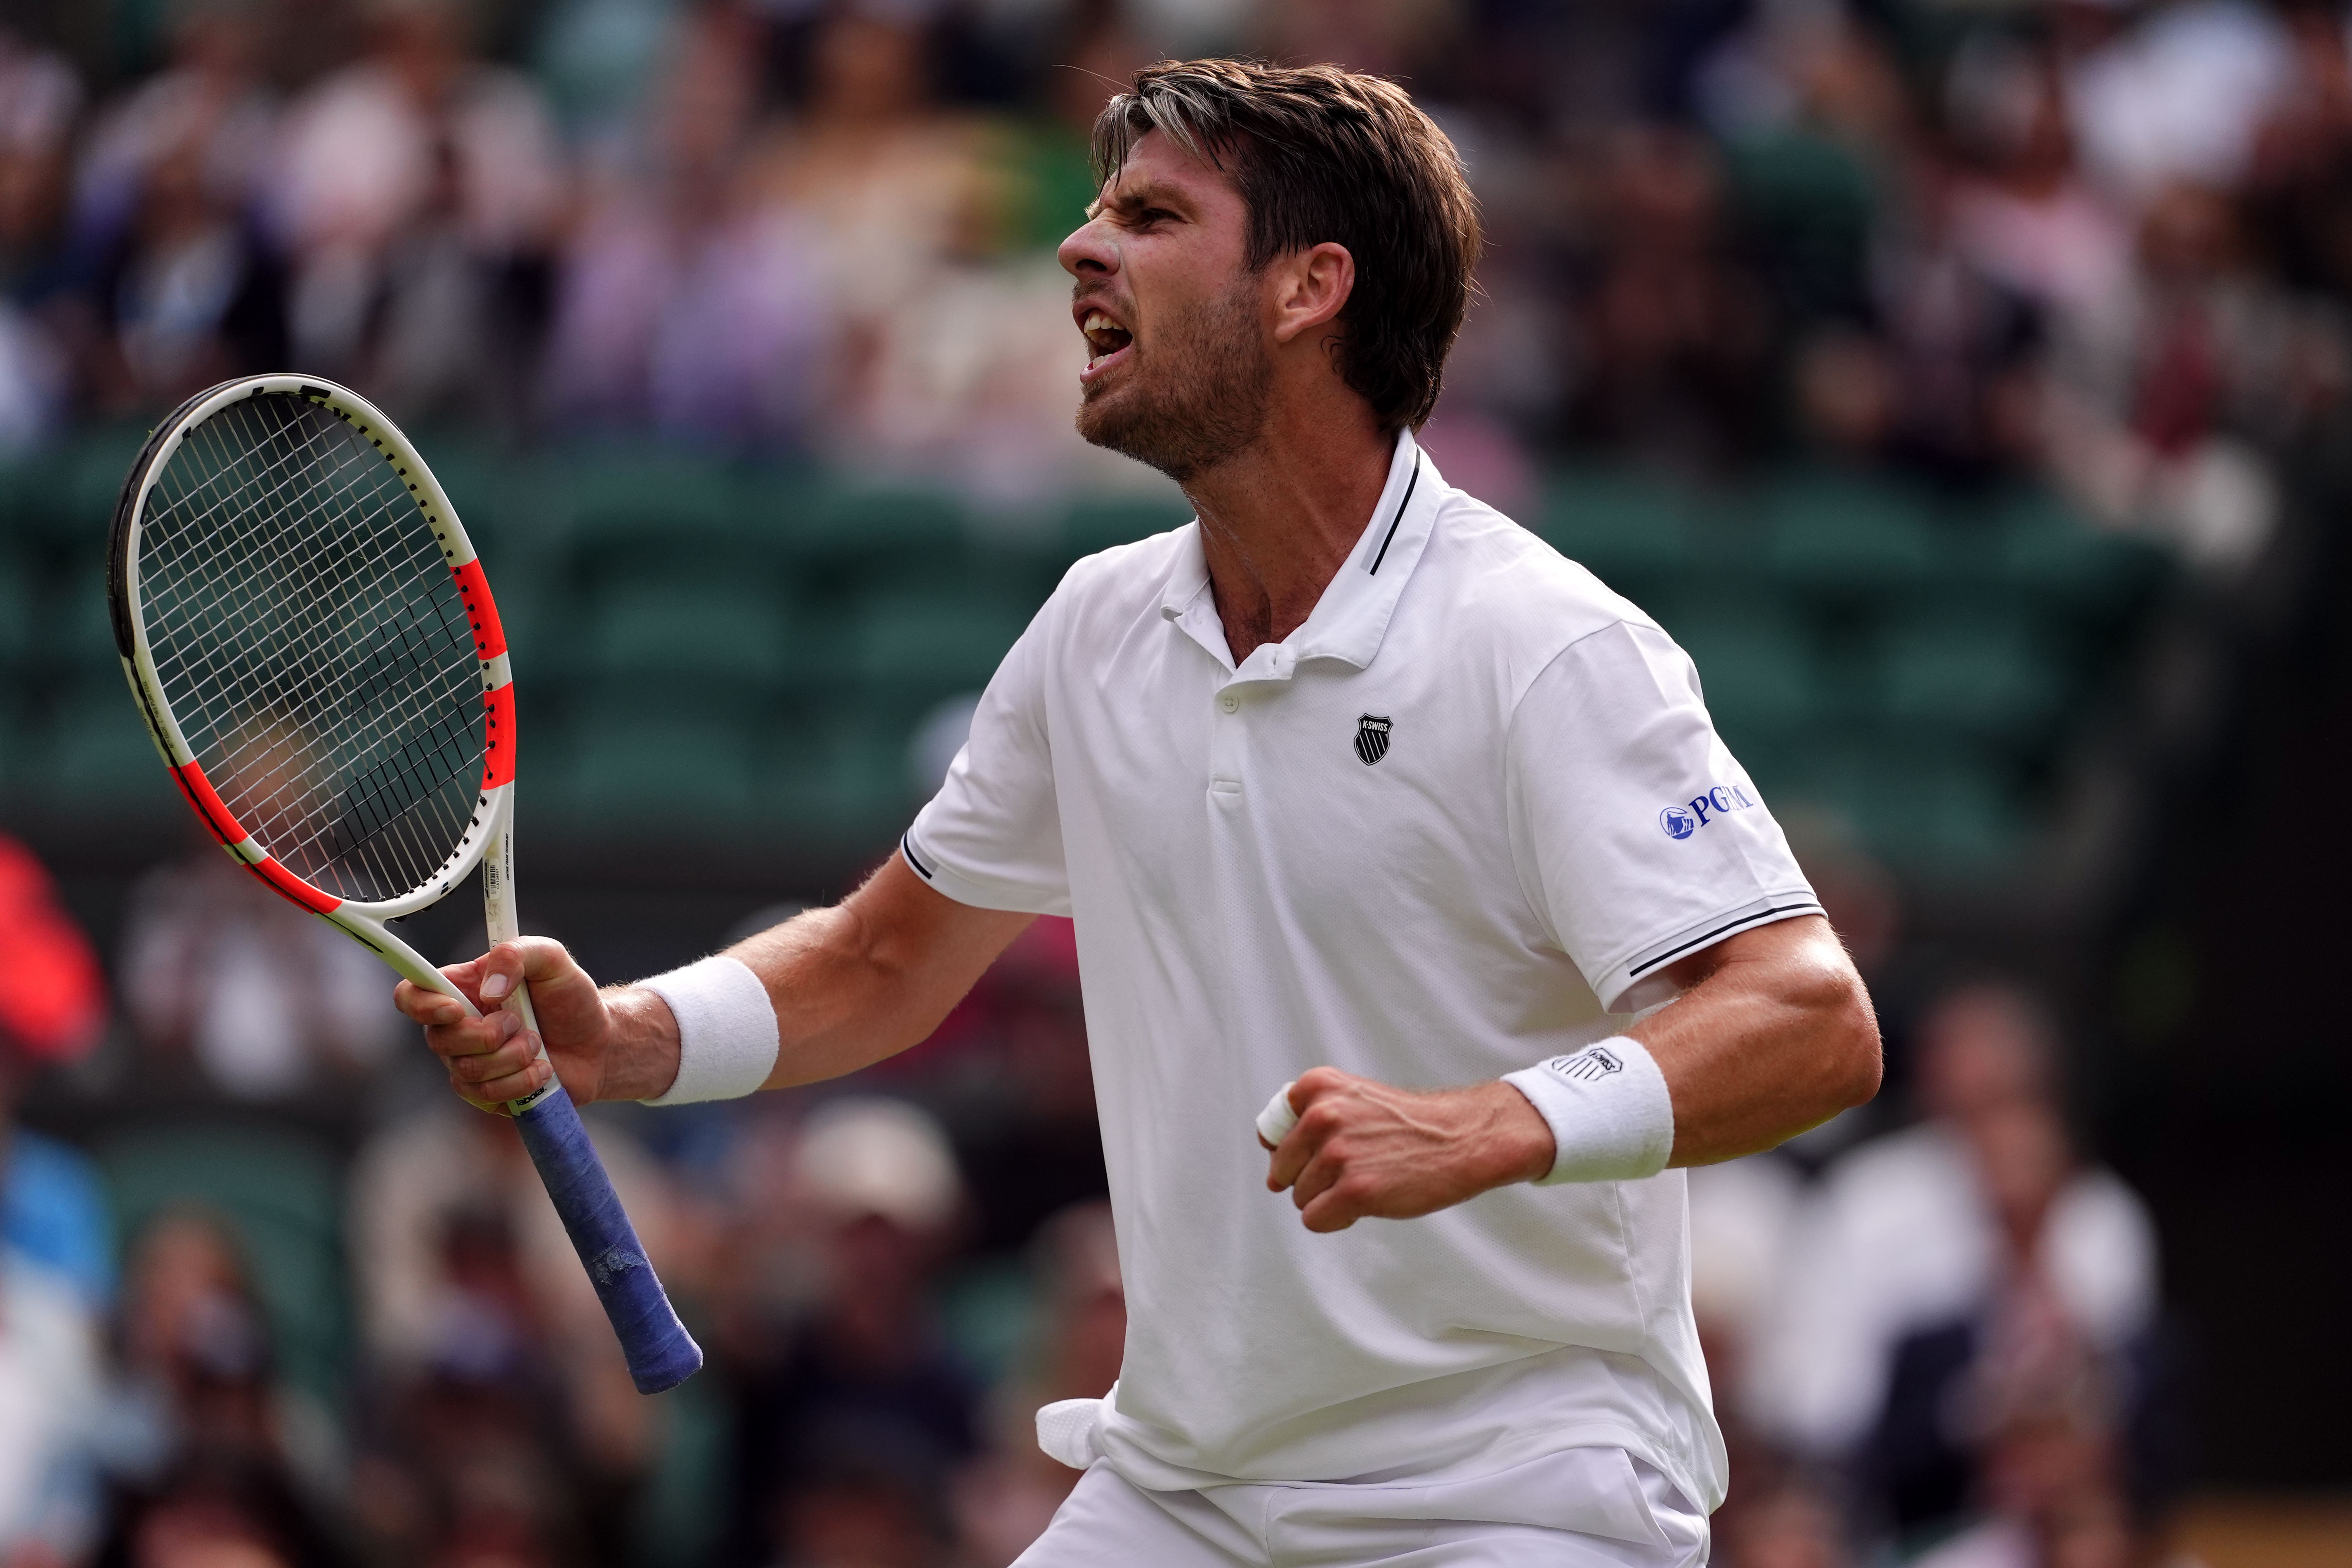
x=1150, y=215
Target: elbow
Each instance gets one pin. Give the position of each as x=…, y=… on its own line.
x=1850, y=1032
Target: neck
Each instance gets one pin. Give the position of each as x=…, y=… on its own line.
x=1279, y=517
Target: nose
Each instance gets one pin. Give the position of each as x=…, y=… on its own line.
x=1089, y=252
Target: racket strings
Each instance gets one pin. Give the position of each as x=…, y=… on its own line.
x=307, y=632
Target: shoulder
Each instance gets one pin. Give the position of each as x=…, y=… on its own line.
x=1490, y=588
x=1490, y=568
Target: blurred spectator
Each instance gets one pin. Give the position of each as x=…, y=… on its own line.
x=471, y=1293
x=1673, y=339
x=217, y=1510
x=1004, y=1498
x=2170, y=397
x=881, y=171
x=2020, y=213
x=194, y=1345
x=2175, y=92
x=231, y=988
x=173, y=288
x=685, y=303
x=851, y=1413
x=56, y=1271
x=1019, y=1087
x=417, y=193
x=2301, y=182
x=39, y=98
x=1915, y=1238
x=2018, y=1413
x=469, y=1456
x=185, y=296
x=207, y=105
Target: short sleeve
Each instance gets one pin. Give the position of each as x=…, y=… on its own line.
x=993, y=836
x=1638, y=837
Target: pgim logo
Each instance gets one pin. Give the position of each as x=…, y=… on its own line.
x=1682, y=821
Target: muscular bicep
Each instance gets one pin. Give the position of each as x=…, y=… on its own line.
x=872, y=974
x=1773, y=1034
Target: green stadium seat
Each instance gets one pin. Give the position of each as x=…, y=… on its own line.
x=727, y=632
x=93, y=754
x=1940, y=812
x=70, y=504
x=622, y=766
x=838, y=775
x=932, y=643
x=77, y=626
x=2044, y=549
x=281, y=1197
x=1848, y=536
x=1632, y=532
x=860, y=534
x=1987, y=671
x=1100, y=522
x=1757, y=663
x=18, y=639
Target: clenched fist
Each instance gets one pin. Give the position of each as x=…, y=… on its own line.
x=1364, y=1148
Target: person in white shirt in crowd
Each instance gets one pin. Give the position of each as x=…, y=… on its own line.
x=1903, y=1235
x=387, y=170
x=1359, y=795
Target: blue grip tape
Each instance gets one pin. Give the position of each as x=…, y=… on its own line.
x=661, y=1354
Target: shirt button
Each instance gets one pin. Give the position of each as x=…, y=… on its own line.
x=1229, y=702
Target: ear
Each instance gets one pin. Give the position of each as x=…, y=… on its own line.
x=1311, y=289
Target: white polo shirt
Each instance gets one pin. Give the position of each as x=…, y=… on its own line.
x=1425, y=838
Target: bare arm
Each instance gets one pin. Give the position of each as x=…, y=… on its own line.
x=852, y=985
x=1773, y=1034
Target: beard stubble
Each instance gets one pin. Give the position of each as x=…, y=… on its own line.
x=1205, y=401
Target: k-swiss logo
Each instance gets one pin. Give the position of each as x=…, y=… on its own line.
x=1682, y=821
x=1589, y=1064
x=1372, y=738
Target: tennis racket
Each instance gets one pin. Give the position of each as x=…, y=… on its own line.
x=315, y=652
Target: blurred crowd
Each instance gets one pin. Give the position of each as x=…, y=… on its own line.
x=2096, y=241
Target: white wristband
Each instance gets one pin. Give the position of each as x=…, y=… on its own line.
x=727, y=1040
x=1611, y=1117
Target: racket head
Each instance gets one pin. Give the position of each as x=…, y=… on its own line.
x=313, y=645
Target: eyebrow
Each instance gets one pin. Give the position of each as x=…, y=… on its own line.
x=1152, y=194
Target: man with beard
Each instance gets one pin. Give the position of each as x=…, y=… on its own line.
x=1357, y=794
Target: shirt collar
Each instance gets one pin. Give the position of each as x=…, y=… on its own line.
x=1351, y=618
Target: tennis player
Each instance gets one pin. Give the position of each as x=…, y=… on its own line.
x=1359, y=792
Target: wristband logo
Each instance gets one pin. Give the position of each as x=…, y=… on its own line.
x=1682, y=821
x=1589, y=1064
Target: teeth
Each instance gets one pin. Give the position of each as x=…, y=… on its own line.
x=1097, y=322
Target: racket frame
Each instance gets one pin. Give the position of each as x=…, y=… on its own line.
x=488, y=838
x=660, y=1353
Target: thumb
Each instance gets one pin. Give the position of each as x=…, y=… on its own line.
x=526, y=959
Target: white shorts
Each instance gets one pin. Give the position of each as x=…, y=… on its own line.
x=1588, y=1507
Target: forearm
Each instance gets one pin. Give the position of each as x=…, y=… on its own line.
x=847, y=995
x=1772, y=1038
x=848, y=985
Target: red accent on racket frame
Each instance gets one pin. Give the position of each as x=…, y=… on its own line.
x=489, y=637
x=499, y=741
x=208, y=802
x=293, y=887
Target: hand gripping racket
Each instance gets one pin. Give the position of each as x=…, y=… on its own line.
x=315, y=651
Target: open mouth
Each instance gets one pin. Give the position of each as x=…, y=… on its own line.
x=1105, y=339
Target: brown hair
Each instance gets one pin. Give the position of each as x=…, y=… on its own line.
x=1320, y=153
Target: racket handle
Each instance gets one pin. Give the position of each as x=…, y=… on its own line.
x=661, y=1354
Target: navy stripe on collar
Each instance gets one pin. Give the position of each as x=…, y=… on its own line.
x=1373, y=570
